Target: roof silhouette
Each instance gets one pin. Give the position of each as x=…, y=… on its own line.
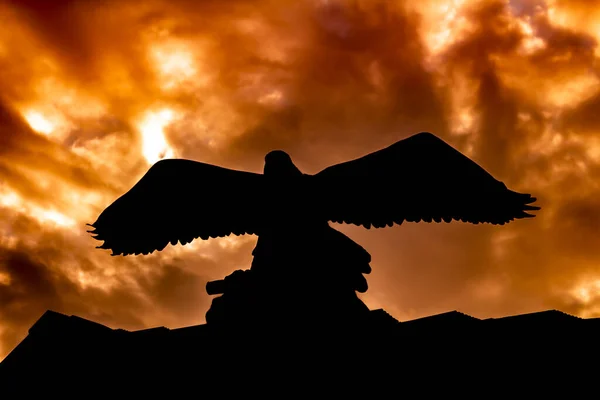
x=59, y=346
x=453, y=318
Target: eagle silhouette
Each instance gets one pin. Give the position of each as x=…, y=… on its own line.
x=420, y=178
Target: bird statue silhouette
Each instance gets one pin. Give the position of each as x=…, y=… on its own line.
x=420, y=178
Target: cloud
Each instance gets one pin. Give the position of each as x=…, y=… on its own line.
x=93, y=92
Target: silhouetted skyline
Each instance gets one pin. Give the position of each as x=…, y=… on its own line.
x=383, y=353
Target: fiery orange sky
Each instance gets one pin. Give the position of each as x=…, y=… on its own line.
x=93, y=92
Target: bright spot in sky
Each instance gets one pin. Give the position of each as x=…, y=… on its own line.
x=154, y=143
x=39, y=122
x=4, y=278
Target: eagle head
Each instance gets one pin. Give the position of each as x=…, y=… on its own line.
x=278, y=163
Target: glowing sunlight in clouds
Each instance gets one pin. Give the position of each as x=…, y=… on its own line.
x=154, y=144
x=38, y=122
x=588, y=293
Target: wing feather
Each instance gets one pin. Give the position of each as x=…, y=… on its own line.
x=180, y=200
x=421, y=178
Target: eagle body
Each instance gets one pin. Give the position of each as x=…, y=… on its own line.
x=297, y=243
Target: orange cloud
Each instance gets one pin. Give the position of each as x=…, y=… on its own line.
x=92, y=93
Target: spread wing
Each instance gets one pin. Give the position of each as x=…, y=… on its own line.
x=177, y=201
x=421, y=178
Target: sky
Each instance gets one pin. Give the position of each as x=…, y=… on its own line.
x=92, y=93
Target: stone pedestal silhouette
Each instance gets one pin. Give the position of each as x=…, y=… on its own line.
x=295, y=281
